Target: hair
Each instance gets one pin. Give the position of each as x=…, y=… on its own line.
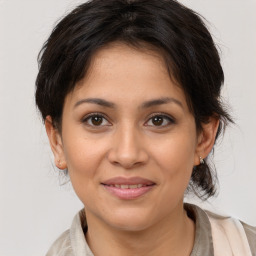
x=175, y=31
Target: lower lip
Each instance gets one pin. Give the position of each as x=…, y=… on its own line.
x=129, y=193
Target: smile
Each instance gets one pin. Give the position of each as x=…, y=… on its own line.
x=128, y=188
x=125, y=186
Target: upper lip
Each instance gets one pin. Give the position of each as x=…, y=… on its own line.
x=128, y=181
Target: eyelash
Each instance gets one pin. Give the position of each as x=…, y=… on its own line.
x=89, y=116
x=169, y=119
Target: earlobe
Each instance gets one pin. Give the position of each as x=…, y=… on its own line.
x=206, y=139
x=55, y=143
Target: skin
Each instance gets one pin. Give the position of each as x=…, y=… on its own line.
x=127, y=142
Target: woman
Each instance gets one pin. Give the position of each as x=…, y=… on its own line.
x=130, y=95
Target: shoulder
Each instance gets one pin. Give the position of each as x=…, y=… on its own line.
x=72, y=242
x=62, y=246
x=235, y=230
x=250, y=232
x=218, y=228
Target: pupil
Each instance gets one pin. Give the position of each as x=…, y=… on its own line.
x=157, y=120
x=96, y=120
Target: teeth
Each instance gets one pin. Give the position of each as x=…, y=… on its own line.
x=133, y=186
x=124, y=186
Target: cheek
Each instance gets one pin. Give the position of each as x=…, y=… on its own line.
x=176, y=166
x=176, y=151
x=84, y=156
x=175, y=158
x=83, y=161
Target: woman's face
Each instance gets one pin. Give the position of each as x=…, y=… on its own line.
x=128, y=139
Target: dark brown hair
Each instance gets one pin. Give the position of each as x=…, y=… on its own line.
x=177, y=32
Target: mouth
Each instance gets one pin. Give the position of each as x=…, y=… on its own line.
x=128, y=188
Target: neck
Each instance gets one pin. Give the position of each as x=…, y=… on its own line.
x=173, y=235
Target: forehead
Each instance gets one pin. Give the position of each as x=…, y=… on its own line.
x=119, y=71
x=119, y=59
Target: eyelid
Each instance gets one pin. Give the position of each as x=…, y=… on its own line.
x=86, y=117
x=161, y=114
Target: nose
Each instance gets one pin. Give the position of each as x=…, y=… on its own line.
x=128, y=149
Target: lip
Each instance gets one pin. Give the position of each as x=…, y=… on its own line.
x=128, y=181
x=128, y=193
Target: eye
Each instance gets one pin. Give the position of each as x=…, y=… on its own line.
x=96, y=120
x=160, y=120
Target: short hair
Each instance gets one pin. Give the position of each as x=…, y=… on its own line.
x=175, y=31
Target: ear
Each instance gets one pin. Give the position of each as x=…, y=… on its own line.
x=55, y=143
x=206, y=139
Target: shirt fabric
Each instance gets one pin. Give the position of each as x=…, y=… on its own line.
x=73, y=243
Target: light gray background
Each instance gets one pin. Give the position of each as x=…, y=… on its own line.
x=34, y=208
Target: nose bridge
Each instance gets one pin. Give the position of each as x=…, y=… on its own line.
x=127, y=139
x=128, y=149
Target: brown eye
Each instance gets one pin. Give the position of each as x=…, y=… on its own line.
x=160, y=121
x=157, y=120
x=96, y=120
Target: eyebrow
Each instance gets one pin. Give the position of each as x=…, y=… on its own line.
x=97, y=101
x=161, y=101
x=146, y=104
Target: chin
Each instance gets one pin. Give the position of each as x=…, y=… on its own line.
x=129, y=220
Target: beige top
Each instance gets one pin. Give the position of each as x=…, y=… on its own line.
x=73, y=243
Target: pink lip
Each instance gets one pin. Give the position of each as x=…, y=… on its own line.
x=128, y=193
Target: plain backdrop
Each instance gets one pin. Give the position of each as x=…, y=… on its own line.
x=34, y=208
